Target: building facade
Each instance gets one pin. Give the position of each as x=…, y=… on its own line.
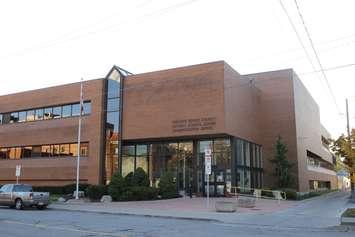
x=162, y=122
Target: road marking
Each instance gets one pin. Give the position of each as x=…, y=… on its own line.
x=42, y=226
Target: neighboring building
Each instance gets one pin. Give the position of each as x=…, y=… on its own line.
x=163, y=121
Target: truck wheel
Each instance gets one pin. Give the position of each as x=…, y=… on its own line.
x=18, y=204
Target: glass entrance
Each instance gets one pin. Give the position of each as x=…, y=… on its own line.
x=184, y=168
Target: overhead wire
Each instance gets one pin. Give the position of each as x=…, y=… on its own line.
x=316, y=55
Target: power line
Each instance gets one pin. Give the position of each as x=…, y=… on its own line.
x=298, y=35
x=330, y=68
x=316, y=54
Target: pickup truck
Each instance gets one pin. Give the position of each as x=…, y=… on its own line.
x=22, y=195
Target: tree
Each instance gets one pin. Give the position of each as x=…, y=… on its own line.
x=345, y=148
x=282, y=165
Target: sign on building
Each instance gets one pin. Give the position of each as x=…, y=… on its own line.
x=208, y=161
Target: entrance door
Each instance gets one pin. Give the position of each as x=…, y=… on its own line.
x=217, y=182
x=184, y=167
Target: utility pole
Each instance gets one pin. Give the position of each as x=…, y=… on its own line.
x=347, y=118
x=79, y=136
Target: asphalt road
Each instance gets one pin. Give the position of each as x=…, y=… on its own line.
x=53, y=223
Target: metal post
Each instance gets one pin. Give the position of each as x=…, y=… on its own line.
x=79, y=136
x=347, y=118
x=208, y=190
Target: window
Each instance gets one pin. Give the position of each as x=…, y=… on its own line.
x=14, y=117
x=0, y=118
x=75, y=110
x=48, y=113
x=113, y=89
x=3, y=153
x=64, y=150
x=22, y=188
x=22, y=116
x=84, y=149
x=57, y=112
x=112, y=105
x=27, y=152
x=39, y=114
x=36, y=151
x=112, y=122
x=55, y=150
x=66, y=112
x=46, y=151
x=30, y=115
x=87, y=108
x=73, y=149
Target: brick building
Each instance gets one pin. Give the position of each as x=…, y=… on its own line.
x=163, y=121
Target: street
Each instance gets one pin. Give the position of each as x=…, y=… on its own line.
x=71, y=223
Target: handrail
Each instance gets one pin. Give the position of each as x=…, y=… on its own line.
x=257, y=193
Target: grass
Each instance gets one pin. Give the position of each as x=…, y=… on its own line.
x=350, y=212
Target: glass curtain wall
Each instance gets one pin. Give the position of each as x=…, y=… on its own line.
x=235, y=162
x=248, y=168
x=112, y=123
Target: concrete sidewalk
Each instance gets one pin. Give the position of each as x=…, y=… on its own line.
x=319, y=212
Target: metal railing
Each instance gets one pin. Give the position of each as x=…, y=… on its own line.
x=258, y=193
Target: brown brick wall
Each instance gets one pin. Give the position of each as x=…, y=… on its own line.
x=153, y=101
x=53, y=171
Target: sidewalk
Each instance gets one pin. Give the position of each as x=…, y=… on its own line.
x=318, y=212
x=182, y=208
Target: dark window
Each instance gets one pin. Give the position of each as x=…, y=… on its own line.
x=36, y=151
x=113, y=105
x=6, y=118
x=39, y=114
x=87, y=108
x=4, y=153
x=57, y=112
x=14, y=117
x=66, y=112
x=30, y=115
x=22, y=188
x=27, y=152
x=48, y=113
x=75, y=110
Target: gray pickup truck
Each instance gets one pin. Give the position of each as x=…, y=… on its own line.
x=22, y=195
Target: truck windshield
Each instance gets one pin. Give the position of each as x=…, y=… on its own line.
x=22, y=188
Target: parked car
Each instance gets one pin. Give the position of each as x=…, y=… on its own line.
x=22, y=195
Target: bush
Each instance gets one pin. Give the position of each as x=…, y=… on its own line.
x=117, y=186
x=70, y=188
x=140, y=178
x=139, y=193
x=95, y=192
x=267, y=193
x=51, y=189
x=291, y=194
x=167, y=186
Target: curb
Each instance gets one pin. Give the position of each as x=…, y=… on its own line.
x=141, y=215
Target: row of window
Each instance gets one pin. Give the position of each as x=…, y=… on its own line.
x=53, y=112
x=46, y=151
x=318, y=163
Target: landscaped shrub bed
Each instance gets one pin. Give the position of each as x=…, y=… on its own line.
x=95, y=192
x=135, y=187
x=61, y=190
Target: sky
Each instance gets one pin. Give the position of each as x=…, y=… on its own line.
x=47, y=43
